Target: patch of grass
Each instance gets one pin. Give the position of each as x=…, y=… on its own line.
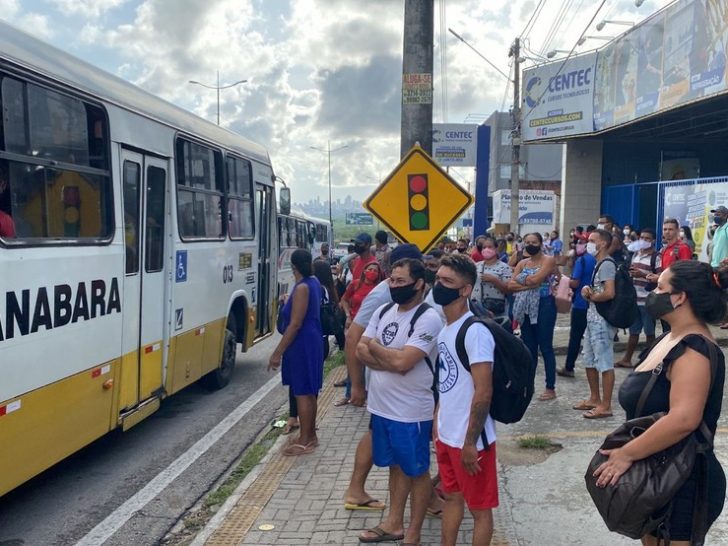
x=534, y=442
x=333, y=361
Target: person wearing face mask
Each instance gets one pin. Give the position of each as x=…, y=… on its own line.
x=399, y=347
x=534, y=307
x=616, y=247
x=432, y=264
x=364, y=254
x=461, y=247
x=645, y=261
x=351, y=301
x=325, y=256
x=382, y=251
x=464, y=432
x=581, y=274
x=491, y=287
x=720, y=236
x=689, y=296
x=477, y=254
x=599, y=338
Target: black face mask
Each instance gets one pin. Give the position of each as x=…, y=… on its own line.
x=324, y=252
x=402, y=294
x=659, y=305
x=719, y=220
x=361, y=248
x=461, y=249
x=444, y=295
x=429, y=276
x=533, y=249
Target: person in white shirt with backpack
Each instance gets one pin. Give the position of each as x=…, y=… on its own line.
x=464, y=431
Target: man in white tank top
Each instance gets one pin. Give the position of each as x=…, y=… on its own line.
x=464, y=432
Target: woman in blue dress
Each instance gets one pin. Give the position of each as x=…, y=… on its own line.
x=299, y=353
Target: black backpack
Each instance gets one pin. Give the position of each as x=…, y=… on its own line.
x=420, y=311
x=621, y=311
x=513, y=371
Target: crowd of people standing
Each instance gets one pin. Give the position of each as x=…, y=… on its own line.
x=402, y=313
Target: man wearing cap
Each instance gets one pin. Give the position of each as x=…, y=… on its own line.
x=720, y=237
x=362, y=247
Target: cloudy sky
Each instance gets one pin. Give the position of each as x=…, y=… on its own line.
x=317, y=70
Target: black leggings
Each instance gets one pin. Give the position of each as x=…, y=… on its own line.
x=576, y=333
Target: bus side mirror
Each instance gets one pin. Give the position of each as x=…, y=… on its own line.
x=285, y=201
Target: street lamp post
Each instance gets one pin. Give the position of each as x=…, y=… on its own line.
x=217, y=88
x=328, y=151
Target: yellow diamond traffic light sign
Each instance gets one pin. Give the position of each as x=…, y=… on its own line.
x=418, y=201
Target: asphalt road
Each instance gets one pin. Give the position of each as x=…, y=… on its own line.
x=62, y=505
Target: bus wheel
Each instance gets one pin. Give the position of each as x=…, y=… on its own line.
x=220, y=377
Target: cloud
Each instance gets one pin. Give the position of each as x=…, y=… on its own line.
x=89, y=9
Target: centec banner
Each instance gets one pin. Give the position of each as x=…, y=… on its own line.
x=558, y=98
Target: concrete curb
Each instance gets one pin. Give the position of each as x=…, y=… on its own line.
x=219, y=518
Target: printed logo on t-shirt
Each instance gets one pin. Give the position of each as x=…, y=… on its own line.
x=389, y=333
x=448, y=364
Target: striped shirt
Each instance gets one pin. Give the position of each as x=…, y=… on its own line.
x=643, y=262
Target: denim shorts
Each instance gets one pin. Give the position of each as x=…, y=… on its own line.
x=406, y=445
x=643, y=321
x=599, y=344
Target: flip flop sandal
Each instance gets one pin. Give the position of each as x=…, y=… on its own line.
x=294, y=450
x=381, y=536
x=289, y=428
x=584, y=406
x=371, y=504
x=621, y=364
x=434, y=513
x=591, y=414
x=342, y=402
x=545, y=396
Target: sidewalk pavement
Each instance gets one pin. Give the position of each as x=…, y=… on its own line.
x=543, y=500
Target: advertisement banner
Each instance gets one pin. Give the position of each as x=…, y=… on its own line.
x=675, y=57
x=535, y=207
x=454, y=144
x=691, y=204
x=558, y=98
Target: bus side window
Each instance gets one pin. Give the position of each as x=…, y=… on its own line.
x=59, y=192
x=131, y=181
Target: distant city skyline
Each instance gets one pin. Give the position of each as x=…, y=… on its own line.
x=320, y=207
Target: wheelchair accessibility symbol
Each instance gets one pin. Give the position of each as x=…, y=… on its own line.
x=180, y=270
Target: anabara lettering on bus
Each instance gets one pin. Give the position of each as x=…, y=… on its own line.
x=62, y=306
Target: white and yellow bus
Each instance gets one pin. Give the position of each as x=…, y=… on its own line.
x=298, y=230
x=144, y=250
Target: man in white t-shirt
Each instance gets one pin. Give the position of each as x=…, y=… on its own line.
x=398, y=347
x=464, y=431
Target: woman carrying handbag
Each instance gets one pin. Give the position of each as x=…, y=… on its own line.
x=679, y=382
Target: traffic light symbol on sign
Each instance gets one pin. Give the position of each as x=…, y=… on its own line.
x=419, y=202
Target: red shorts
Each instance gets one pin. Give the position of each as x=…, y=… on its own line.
x=480, y=491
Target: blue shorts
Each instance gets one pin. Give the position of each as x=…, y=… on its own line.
x=406, y=445
x=599, y=344
x=643, y=321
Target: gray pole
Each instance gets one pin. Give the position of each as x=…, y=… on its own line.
x=516, y=134
x=331, y=218
x=419, y=22
x=218, y=97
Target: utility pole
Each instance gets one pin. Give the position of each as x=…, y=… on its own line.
x=419, y=22
x=515, y=52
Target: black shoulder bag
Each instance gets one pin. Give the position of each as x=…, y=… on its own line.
x=642, y=499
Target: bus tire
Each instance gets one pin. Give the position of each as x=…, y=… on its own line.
x=220, y=377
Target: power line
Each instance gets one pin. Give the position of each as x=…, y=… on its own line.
x=566, y=59
x=566, y=6
x=526, y=30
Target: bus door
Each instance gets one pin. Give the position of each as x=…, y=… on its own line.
x=263, y=212
x=144, y=183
